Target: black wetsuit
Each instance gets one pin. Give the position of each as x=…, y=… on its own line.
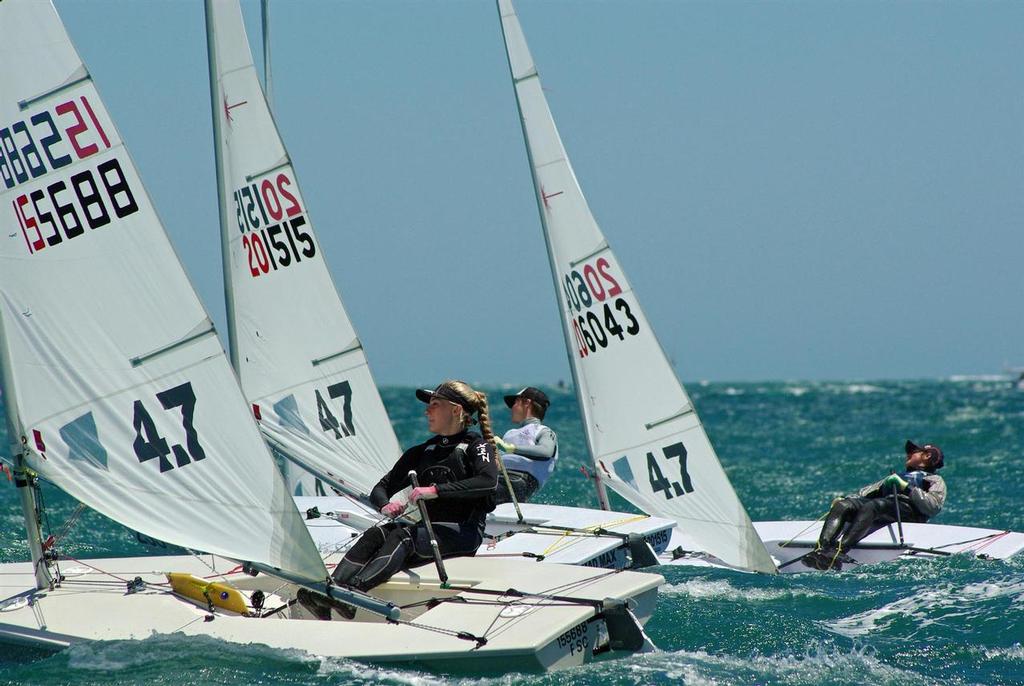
x=464, y=469
x=855, y=516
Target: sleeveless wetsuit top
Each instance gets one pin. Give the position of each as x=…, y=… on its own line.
x=527, y=435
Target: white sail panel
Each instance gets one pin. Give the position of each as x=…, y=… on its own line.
x=646, y=439
x=125, y=397
x=297, y=354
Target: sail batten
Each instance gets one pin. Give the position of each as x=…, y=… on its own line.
x=71, y=82
x=165, y=447
x=297, y=354
x=207, y=330
x=666, y=467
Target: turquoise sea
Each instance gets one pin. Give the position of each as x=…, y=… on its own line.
x=788, y=447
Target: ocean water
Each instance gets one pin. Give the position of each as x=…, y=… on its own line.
x=788, y=448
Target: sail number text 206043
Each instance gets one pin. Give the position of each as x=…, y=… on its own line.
x=595, y=307
x=270, y=218
x=63, y=209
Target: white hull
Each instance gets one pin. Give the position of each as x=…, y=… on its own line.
x=526, y=634
x=539, y=537
x=790, y=541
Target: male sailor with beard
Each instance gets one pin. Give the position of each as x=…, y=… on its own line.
x=919, y=494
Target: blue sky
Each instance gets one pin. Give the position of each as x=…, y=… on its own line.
x=797, y=190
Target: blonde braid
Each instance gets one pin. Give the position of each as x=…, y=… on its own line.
x=485, y=419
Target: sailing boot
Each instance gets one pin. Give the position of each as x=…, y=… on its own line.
x=316, y=604
x=345, y=570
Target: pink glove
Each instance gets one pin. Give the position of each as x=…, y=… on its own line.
x=423, y=493
x=392, y=509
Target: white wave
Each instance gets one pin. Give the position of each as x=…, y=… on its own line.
x=335, y=668
x=863, y=388
x=1014, y=652
x=796, y=390
x=962, y=378
x=113, y=656
x=707, y=588
x=928, y=607
x=970, y=415
x=816, y=666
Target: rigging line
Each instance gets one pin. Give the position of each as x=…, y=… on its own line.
x=618, y=522
x=71, y=521
x=101, y=571
x=188, y=624
x=223, y=575
x=994, y=537
x=801, y=532
x=276, y=610
x=988, y=539
x=464, y=635
x=555, y=544
x=43, y=515
x=513, y=593
x=209, y=565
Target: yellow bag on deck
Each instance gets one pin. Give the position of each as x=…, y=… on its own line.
x=208, y=592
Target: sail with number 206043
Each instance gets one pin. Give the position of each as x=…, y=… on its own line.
x=645, y=437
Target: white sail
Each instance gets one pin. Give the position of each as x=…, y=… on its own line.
x=296, y=352
x=124, y=397
x=644, y=434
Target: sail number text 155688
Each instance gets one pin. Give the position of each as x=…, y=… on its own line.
x=270, y=218
x=596, y=309
x=63, y=209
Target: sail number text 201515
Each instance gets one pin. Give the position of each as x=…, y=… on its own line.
x=62, y=210
x=595, y=306
x=270, y=218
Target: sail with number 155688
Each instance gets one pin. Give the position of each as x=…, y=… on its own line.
x=295, y=349
x=645, y=437
x=117, y=384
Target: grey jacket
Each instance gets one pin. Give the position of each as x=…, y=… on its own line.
x=927, y=500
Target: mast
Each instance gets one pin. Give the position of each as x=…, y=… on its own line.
x=602, y=492
x=265, y=22
x=25, y=480
x=225, y=248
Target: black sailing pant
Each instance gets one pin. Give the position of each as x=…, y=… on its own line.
x=854, y=517
x=386, y=548
x=524, y=485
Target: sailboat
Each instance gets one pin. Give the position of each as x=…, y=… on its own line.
x=121, y=395
x=304, y=370
x=644, y=435
x=643, y=432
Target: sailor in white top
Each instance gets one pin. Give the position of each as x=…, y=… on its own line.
x=530, y=450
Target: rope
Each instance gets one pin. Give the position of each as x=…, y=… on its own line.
x=993, y=538
x=554, y=546
x=801, y=533
x=464, y=635
x=511, y=592
x=101, y=571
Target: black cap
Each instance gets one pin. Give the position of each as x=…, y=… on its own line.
x=444, y=393
x=937, y=460
x=530, y=393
